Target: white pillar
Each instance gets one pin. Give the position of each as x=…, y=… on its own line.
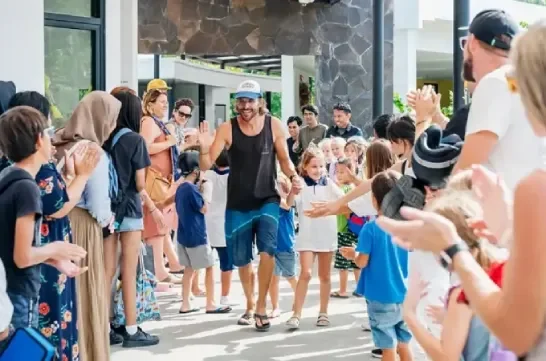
x=128, y=24
x=113, y=43
x=288, y=87
x=405, y=61
x=22, y=51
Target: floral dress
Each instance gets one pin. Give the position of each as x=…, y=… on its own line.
x=57, y=305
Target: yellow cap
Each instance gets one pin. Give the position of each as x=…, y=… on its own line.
x=157, y=84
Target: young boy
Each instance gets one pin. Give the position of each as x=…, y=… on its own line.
x=383, y=280
x=194, y=251
x=216, y=219
x=25, y=138
x=285, y=257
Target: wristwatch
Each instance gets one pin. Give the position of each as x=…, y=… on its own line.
x=447, y=255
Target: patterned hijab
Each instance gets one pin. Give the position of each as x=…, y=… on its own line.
x=94, y=119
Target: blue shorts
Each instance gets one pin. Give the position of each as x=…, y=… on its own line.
x=129, y=224
x=25, y=311
x=226, y=261
x=285, y=264
x=243, y=228
x=387, y=324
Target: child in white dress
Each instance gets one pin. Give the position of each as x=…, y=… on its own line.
x=317, y=236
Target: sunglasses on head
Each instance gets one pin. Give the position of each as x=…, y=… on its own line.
x=185, y=115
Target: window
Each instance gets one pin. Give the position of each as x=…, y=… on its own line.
x=74, y=53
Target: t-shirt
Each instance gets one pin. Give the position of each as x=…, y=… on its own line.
x=345, y=133
x=457, y=123
x=310, y=135
x=191, y=222
x=342, y=221
x=129, y=155
x=6, y=308
x=384, y=278
x=287, y=231
x=294, y=157
x=496, y=109
x=19, y=197
x=216, y=212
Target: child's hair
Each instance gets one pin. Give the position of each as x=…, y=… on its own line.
x=346, y=162
x=32, y=99
x=401, y=128
x=379, y=158
x=383, y=183
x=461, y=181
x=223, y=160
x=313, y=151
x=360, y=145
x=459, y=207
x=325, y=141
x=340, y=141
x=20, y=128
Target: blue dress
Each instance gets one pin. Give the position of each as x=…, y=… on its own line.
x=57, y=304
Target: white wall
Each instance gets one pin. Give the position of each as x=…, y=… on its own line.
x=128, y=46
x=22, y=46
x=216, y=96
x=113, y=42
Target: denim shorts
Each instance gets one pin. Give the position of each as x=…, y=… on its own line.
x=25, y=311
x=226, y=261
x=129, y=224
x=285, y=264
x=243, y=228
x=387, y=324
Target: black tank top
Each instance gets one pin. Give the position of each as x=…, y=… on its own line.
x=252, y=180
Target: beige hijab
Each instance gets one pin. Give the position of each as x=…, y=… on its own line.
x=94, y=119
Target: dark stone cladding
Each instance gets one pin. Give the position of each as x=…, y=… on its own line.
x=339, y=36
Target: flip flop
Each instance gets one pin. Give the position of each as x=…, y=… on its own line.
x=338, y=295
x=199, y=294
x=191, y=310
x=245, y=319
x=218, y=310
x=264, y=326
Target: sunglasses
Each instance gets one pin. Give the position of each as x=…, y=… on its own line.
x=184, y=115
x=50, y=131
x=462, y=41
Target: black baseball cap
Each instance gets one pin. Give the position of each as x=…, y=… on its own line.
x=188, y=162
x=494, y=27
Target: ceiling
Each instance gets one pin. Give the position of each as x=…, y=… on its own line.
x=268, y=64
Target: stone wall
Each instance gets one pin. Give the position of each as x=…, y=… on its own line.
x=340, y=37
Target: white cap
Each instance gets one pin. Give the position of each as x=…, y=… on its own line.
x=249, y=89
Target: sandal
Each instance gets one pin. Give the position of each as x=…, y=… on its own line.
x=293, y=323
x=323, y=320
x=245, y=319
x=338, y=295
x=199, y=294
x=172, y=279
x=263, y=326
x=219, y=310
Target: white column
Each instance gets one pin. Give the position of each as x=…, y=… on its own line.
x=405, y=61
x=209, y=104
x=22, y=50
x=114, y=43
x=288, y=87
x=128, y=24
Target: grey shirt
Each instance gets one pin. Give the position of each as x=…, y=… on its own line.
x=308, y=135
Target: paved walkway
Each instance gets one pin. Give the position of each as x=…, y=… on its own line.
x=202, y=337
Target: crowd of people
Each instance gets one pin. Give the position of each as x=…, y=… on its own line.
x=438, y=220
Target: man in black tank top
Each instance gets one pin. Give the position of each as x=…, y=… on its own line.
x=255, y=141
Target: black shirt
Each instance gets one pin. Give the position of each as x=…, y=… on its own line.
x=252, y=180
x=129, y=155
x=350, y=131
x=19, y=197
x=294, y=157
x=457, y=123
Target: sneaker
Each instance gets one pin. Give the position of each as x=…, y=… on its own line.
x=115, y=338
x=140, y=339
x=225, y=301
x=377, y=353
x=366, y=328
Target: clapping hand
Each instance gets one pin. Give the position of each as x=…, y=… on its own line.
x=85, y=159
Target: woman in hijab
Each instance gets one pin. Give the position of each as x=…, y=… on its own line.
x=90, y=125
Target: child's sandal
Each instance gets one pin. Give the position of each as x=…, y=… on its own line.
x=323, y=320
x=293, y=323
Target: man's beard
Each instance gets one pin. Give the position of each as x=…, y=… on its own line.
x=250, y=116
x=468, y=69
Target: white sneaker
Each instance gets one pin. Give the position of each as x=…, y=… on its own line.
x=224, y=301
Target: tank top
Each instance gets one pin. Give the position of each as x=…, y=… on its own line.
x=252, y=178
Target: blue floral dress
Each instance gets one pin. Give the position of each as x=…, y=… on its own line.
x=57, y=305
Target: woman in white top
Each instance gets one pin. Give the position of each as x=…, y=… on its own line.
x=317, y=237
x=515, y=314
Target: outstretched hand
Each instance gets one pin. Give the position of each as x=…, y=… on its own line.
x=323, y=209
x=205, y=137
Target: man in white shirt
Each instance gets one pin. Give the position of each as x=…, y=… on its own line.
x=498, y=134
x=6, y=308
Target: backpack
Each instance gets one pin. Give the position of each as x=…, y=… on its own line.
x=113, y=191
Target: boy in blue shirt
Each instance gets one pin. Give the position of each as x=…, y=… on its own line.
x=194, y=250
x=383, y=279
x=285, y=257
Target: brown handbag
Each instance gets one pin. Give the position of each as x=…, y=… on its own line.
x=157, y=186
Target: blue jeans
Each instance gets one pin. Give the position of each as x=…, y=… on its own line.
x=243, y=227
x=25, y=311
x=285, y=264
x=388, y=327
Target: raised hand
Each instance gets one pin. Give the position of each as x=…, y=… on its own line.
x=86, y=159
x=205, y=137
